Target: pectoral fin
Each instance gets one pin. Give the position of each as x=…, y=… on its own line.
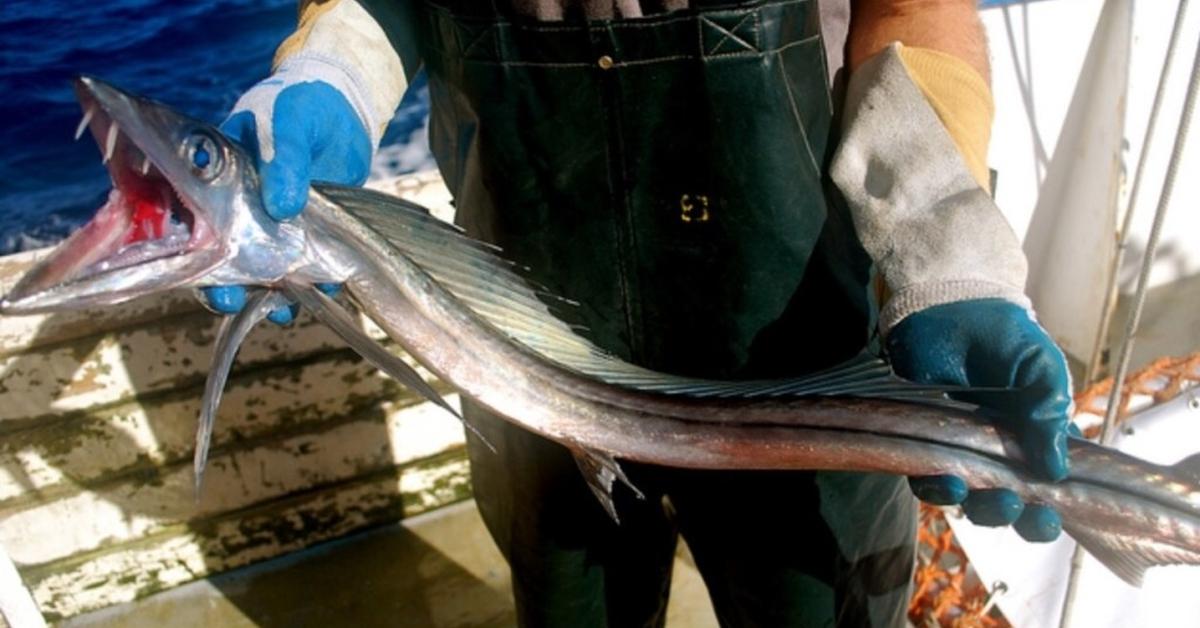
x=336, y=318
x=229, y=338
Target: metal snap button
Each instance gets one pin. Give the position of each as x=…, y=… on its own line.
x=606, y=62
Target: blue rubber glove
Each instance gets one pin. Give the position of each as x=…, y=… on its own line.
x=993, y=343
x=298, y=132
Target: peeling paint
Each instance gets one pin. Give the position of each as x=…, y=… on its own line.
x=126, y=573
x=95, y=446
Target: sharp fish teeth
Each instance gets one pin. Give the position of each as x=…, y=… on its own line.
x=87, y=118
x=110, y=144
x=145, y=166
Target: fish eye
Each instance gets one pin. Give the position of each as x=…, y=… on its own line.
x=204, y=155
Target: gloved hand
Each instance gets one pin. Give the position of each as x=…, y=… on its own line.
x=298, y=131
x=993, y=343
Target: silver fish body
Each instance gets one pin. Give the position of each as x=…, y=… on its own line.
x=464, y=313
x=1127, y=512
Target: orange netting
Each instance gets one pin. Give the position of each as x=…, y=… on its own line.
x=1161, y=380
x=946, y=592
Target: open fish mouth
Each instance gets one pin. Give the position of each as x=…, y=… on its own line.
x=145, y=223
x=145, y=217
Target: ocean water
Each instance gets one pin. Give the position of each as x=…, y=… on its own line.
x=197, y=55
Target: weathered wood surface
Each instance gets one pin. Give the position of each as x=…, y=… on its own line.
x=97, y=421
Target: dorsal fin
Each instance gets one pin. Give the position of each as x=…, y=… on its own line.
x=1189, y=468
x=495, y=289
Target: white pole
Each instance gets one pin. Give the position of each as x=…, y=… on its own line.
x=1135, y=314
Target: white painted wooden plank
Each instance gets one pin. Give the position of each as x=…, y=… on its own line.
x=160, y=431
x=106, y=369
x=240, y=478
x=128, y=572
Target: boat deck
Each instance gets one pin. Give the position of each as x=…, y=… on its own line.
x=435, y=570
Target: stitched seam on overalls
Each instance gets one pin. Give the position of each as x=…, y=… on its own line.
x=755, y=13
x=466, y=49
x=553, y=66
x=758, y=30
x=456, y=165
x=632, y=64
x=787, y=85
x=825, y=80
x=729, y=34
x=639, y=62
x=652, y=23
x=633, y=307
x=619, y=206
x=499, y=52
x=634, y=317
x=535, y=64
x=787, y=46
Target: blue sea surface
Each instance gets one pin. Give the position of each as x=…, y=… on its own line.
x=198, y=56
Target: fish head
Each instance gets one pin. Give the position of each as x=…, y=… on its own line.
x=184, y=210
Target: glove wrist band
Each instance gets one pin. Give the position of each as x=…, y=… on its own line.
x=918, y=297
x=308, y=66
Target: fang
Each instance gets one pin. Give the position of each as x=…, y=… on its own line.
x=87, y=118
x=145, y=166
x=110, y=143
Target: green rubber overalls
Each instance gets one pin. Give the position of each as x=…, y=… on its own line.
x=668, y=173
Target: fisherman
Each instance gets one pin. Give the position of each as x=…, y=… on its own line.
x=730, y=190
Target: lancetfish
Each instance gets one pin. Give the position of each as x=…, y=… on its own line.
x=185, y=212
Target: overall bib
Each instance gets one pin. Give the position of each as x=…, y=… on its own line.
x=668, y=173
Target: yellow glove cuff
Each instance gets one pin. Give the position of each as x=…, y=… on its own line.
x=342, y=37
x=309, y=11
x=962, y=100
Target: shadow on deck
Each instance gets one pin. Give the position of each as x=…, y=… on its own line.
x=435, y=570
